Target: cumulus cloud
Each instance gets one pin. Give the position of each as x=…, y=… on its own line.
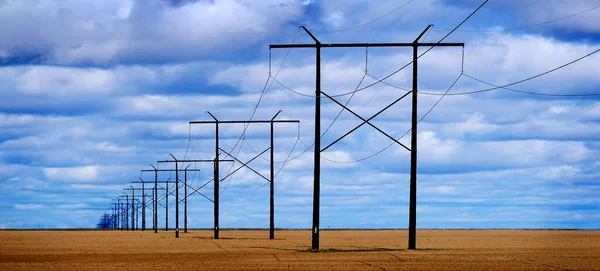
x=122, y=31
x=86, y=173
x=28, y=206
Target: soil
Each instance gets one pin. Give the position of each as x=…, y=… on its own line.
x=340, y=250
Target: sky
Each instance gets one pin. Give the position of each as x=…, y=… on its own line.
x=93, y=92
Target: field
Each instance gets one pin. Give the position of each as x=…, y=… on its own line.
x=341, y=250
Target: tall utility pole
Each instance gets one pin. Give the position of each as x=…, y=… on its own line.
x=118, y=213
x=216, y=173
x=143, y=202
x=126, y=214
x=185, y=184
x=216, y=180
x=155, y=199
x=132, y=209
x=317, y=158
x=133, y=226
x=176, y=196
x=155, y=191
x=143, y=208
x=185, y=187
x=272, y=184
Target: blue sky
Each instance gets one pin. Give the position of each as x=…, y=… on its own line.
x=94, y=91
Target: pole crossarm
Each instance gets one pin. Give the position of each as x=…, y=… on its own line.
x=167, y=170
x=354, y=45
x=187, y=161
x=245, y=165
x=153, y=182
x=365, y=121
x=242, y=121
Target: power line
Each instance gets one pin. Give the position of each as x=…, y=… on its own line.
x=530, y=25
x=403, y=67
x=408, y=131
x=367, y=23
x=265, y=89
x=534, y=93
x=346, y=104
x=510, y=84
x=484, y=90
x=449, y=33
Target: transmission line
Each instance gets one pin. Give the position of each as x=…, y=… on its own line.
x=509, y=84
x=529, y=25
x=367, y=23
x=400, y=69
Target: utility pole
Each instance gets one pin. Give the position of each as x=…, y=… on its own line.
x=155, y=191
x=143, y=208
x=185, y=199
x=272, y=185
x=143, y=202
x=216, y=180
x=155, y=199
x=119, y=215
x=132, y=209
x=216, y=173
x=185, y=184
x=176, y=196
x=413, y=171
x=126, y=214
x=133, y=227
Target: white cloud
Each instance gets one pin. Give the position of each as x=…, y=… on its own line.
x=73, y=206
x=85, y=173
x=28, y=206
x=113, y=31
x=97, y=188
x=440, y=190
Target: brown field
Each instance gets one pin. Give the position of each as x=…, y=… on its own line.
x=343, y=250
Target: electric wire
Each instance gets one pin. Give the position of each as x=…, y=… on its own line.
x=408, y=131
x=265, y=89
x=429, y=49
x=400, y=69
x=533, y=93
x=367, y=23
x=446, y=93
x=346, y=104
x=505, y=86
x=529, y=25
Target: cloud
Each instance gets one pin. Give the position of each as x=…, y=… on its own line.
x=97, y=188
x=73, y=206
x=121, y=31
x=72, y=174
x=28, y=206
x=62, y=81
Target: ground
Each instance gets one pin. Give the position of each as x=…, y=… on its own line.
x=341, y=250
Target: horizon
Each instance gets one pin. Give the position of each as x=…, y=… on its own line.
x=93, y=92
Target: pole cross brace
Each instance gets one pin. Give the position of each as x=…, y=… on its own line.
x=195, y=191
x=365, y=121
x=245, y=165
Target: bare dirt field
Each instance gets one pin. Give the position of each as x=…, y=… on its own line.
x=342, y=250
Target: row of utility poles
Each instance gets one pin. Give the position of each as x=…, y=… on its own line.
x=415, y=45
x=121, y=210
